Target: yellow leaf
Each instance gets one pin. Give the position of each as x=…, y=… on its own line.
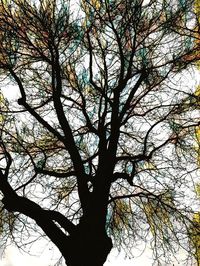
x=195, y=236
x=121, y=212
x=158, y=213
x=96, y=4
x=197, y=92
x=197, y=190
x=197, y=146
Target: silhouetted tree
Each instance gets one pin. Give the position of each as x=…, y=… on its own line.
x=194, y=233
x=98, y=148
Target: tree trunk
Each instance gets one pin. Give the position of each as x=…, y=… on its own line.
x=88, y=247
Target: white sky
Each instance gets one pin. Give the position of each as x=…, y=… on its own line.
x=14, y=258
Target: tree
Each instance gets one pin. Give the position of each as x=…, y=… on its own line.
x=195, y=232
x=97, y=149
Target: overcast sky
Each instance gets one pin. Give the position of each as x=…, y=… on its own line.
x=14, y=258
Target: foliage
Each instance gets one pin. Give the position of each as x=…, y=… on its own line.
x=194, y=232
x=100, y=142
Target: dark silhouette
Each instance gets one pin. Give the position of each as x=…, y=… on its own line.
x=98, y=149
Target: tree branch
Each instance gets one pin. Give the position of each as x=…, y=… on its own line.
x=44, y=218
x=22, y=101
x=69, y=141
x=61, y=220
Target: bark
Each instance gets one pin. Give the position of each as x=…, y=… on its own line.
x=88, y=247
x=87, y=243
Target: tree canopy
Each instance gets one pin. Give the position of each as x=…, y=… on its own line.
x=100, y=146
